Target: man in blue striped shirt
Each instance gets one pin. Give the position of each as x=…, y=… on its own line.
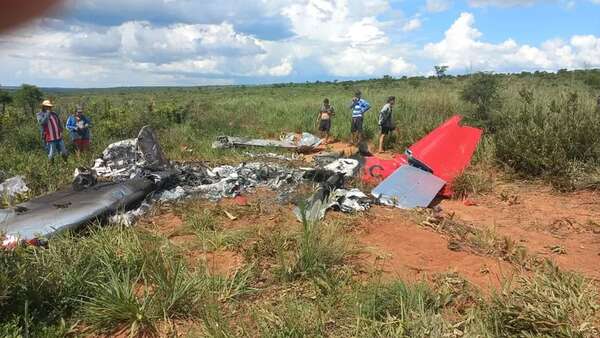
x=359, y=107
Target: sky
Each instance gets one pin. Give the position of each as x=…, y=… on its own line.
x=110, y=43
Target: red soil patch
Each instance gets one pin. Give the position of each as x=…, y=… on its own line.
x=541, y=220
x=166, y=224
x=224, y=263
x=400, y=248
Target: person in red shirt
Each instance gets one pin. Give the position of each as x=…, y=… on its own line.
x=51, y=131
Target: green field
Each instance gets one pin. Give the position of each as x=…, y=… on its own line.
x=539, y=127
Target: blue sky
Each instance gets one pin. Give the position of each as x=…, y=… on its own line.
x=105, y=43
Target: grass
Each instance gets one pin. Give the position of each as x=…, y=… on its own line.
x=118, y=306
x=125, y=280
x=299, y=279
x=319, y=247
x=550, y=303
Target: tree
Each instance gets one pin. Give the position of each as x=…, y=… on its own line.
x=29, y=97
x=482, y=91
x=5, y=99
x=440, y=71
x=387, y=80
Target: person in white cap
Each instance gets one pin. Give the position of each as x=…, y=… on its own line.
x=51, y=131
x=78, y=126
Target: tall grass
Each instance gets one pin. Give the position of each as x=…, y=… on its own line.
x=118, y=278
x=544, y=127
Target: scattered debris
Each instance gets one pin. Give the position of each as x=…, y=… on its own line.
x=300, y=143
x=241, y=201
x=557, y=249
x=228, y=181
x=331, y=196
x=318, y=203
x=350, y=201
x=84, y=178
x=119, y=161
x=274, y=156
x=230, y=215
x=469, y=203
x=322, y=159
x=13, y=187
x=130, y=217
x=408, y=188
x=172, y=195
x=133, y=158
x=345, y=166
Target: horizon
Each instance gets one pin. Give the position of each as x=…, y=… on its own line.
x=160, y=43
x=316, y=82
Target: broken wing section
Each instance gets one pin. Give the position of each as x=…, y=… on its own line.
x=447, y=151
x=409, y=187
x=64, y=210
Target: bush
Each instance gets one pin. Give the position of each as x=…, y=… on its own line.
x=549, y=139
x=482, y=91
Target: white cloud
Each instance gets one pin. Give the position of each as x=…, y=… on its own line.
x=437, y=6
x=346, y=37
x=412, y=25
x=163, y=42
x=179, y=52
x=501, y=3
x=462, y=48
x=142, y=42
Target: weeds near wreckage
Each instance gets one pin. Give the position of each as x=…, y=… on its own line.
x=319, y=247
x=550, y=303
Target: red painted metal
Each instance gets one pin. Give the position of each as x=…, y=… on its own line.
x=447, y=150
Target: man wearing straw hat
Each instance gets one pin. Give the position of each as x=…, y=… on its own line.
x=51, y=131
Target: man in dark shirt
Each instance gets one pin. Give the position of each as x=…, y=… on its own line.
x=386, y=122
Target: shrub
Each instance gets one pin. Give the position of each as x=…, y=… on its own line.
x=482, y=91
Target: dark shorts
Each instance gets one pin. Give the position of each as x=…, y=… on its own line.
x=357, y=125
x=385, y=130
x=325, y=125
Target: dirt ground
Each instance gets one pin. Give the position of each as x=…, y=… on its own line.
x=564, y=228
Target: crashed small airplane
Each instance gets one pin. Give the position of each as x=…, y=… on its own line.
x=438, y=158
x=72, y=207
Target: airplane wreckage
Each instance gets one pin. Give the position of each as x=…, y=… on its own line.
x=133, y=174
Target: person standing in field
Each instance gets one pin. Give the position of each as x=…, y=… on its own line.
x=386, y=121
x=78, y=126
x=325, y=114
x=51, y=131
x=359, y=107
